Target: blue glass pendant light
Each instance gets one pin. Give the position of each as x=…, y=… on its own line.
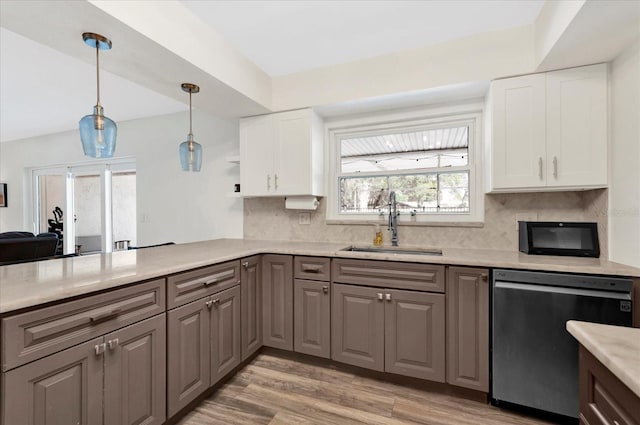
x=190, y=151
x=97, y=132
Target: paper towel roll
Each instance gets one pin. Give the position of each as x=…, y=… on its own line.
x=301, y=203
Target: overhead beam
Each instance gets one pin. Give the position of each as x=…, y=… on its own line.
x=157, y=44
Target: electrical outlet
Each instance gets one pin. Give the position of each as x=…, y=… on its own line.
x=304, y=218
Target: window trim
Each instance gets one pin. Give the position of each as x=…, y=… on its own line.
x=470, y=113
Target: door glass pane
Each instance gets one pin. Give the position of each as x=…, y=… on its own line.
x=87, y=216
x=51, y=204
x=123, y=189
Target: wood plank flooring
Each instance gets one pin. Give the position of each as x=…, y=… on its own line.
x=280, y=389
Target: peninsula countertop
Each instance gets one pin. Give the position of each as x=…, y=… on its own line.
x=616, y=347
x=30, y=284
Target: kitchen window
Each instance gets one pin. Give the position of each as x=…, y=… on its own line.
x=430, y=163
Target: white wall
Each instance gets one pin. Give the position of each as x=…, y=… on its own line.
x=624, y=193
x=176, y=206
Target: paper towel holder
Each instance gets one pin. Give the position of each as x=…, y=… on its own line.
x=301, y=203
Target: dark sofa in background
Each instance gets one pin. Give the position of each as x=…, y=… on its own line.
x=18, y=247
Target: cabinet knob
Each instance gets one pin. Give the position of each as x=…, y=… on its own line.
x=380, y=296
x=268, y=182
x=387, y=297
x=325, y=289
x=113, y=343
x=209, y=304
x=100, y=348
x=245, y=264
x=275, y=180
x=484, y=277
x=216, y=301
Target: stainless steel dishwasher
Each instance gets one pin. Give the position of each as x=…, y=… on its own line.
x=534, y=359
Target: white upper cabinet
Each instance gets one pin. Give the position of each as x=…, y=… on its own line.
x=548, y=131
x=281, y=154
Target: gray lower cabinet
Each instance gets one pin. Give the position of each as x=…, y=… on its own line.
x=312, y=317
x=67, y=387
x=468, y=328
x=388, y=330
x=187, y=354
x=225, y=333
x=357, y=326
x=277, y=301
x=203, y=345
x=63, y=388
x=251, y=305
x=415, y=334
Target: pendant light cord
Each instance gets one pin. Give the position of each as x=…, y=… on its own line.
x=98, y=71
x=190, y=118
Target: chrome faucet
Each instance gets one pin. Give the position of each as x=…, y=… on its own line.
x=393, y=218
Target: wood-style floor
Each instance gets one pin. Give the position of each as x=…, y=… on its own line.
x=278, y=389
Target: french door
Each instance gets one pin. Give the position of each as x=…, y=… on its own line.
x=77, y=203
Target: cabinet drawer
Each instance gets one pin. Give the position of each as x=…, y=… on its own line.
x=189, y=286
x=312, y=268
x=389, y=274
x=30, y=336
x=604, y=399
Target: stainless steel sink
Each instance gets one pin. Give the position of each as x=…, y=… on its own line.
x=393, y=250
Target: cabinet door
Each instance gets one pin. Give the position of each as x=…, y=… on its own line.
x=518, y=156
x=225, y=333
x=61, y=389
x=257, y=154
x=188, y=354
x=468, y=328
x=251, y=308
x=415, y=334
x=577, y=127
x=277, y=301
x=357, y=326
x=293, y=155
x=134, y=379
x=312, y=318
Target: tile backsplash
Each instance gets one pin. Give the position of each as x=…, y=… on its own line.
x=267, y=218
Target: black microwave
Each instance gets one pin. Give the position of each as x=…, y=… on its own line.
x=559, y=238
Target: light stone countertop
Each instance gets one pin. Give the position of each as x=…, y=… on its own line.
x=30, y=284
x=616, y=347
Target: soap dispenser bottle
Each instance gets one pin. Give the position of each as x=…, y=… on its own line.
x=377, y=238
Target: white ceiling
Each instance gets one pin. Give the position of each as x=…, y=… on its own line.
x=43, y=91
x=284, y=37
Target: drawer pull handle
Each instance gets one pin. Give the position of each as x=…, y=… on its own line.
x=540, y=167
x=211, y=281
x=105, y=315
x=325, y=289
x=113, y=343
x=310, y=269
x=380, y=296
x=387, y=297
x=100, y=348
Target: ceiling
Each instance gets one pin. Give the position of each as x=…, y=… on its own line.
x=281, y=37
x=284, y=37
x=43, y=91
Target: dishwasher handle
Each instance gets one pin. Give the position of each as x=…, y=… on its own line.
x=563, y=290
